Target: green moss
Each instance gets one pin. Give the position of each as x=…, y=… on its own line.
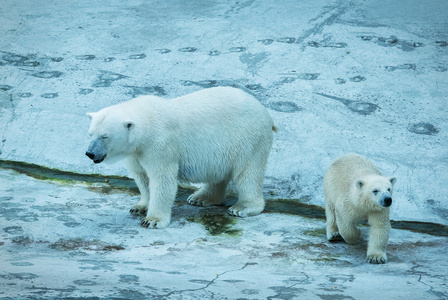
x=324, y=259
x=216, y=224
x=319, y=232
x=96, y=182
x=81, y=244
x=109, y=189
x=158, y=243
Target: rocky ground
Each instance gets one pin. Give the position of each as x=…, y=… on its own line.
x=63, y=238
x=336, y=76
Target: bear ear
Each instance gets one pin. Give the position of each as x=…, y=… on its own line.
x=90, y=115
x=129, y=125
x=392, y=180
x=359, y=184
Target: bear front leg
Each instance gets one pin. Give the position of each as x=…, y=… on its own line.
x=347, y=227
x=163, y=188
x=378, y=238
x=333, y=234
x=142, y=181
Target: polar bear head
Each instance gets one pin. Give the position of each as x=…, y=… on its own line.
x=376, y=190
x=110, y=131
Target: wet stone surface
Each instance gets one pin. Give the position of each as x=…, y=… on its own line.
x=74, y=242
x=383, y=80
x=336, y=77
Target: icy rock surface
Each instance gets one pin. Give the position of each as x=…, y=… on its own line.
x=76, y=240
x=337, y=76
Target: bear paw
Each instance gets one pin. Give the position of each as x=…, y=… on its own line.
x=243, y=211
x=198, y=200
x=154, y=223
x=335, y=237
x=137, y=210
x=377, y=258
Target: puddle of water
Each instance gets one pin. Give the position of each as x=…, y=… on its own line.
x=294, y=207
x=216, y=224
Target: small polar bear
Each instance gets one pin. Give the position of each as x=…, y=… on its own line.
x=212, y=136
x=354, y=190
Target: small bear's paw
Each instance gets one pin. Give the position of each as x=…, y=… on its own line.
x=244, y=211
x=154, y=223
x=335, y=237
x=138, y=210
x=379, y=258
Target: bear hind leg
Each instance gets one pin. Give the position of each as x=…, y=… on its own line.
x=249, y=185
x=209, y=194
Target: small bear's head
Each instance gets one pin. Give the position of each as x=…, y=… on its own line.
x=376, y=190
x=110, y=136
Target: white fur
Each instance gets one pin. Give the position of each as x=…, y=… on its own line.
x=354, y=190
x=211, y=136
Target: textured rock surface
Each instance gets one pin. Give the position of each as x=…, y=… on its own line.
x=74, y=240
x=337, y=77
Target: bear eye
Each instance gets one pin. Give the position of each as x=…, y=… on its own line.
x=388, y=189
x=375, y=192
x=104, y=137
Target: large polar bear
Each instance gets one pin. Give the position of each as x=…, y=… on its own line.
x=354, y=190
x=210, y=136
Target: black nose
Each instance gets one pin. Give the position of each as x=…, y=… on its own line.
x=90, y=155
x=387, y=201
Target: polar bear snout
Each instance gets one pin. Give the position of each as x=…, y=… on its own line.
x=386, y=201
x=96, y=151
x=90, y=155
x=95, y=160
